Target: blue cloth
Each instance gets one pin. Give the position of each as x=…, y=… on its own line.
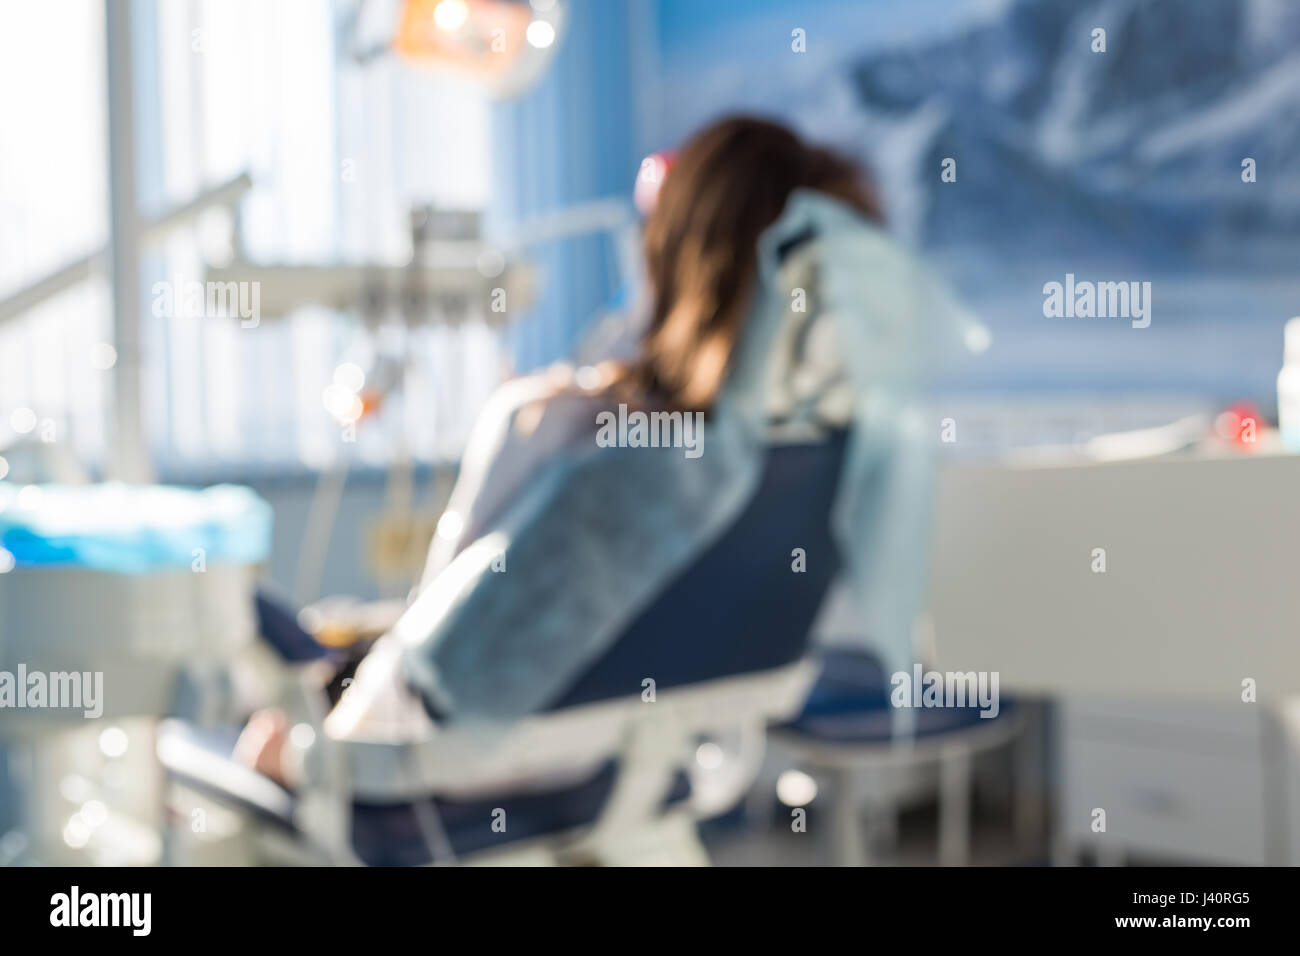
x=602, y=531
x=898, y=326
x=133, y=529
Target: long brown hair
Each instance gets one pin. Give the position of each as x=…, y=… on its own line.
x=729, y=183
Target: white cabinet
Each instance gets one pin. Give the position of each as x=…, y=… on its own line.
x=1180, y=782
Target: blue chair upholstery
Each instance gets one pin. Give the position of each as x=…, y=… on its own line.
x=740, y=608
x=279, y=627
x=849, y=704
x=388, y=834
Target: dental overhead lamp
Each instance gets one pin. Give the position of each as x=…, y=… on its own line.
x=505, y=45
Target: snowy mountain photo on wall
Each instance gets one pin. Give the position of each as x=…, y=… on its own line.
x=1017, y=141
x=1140, y=144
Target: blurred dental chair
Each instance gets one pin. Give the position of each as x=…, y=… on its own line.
x=603, y=775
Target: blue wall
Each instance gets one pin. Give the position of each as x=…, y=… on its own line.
x=574, y=137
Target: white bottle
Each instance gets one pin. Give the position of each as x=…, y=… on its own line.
x=1288, y=388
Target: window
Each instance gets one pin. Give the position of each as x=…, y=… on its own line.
x=53, y=212
x=338, y=153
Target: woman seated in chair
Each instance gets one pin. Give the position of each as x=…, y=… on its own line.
x=718, y=255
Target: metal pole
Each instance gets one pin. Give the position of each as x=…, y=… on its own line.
x=127, y=458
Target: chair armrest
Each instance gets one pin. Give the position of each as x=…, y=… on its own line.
x=480, y=759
